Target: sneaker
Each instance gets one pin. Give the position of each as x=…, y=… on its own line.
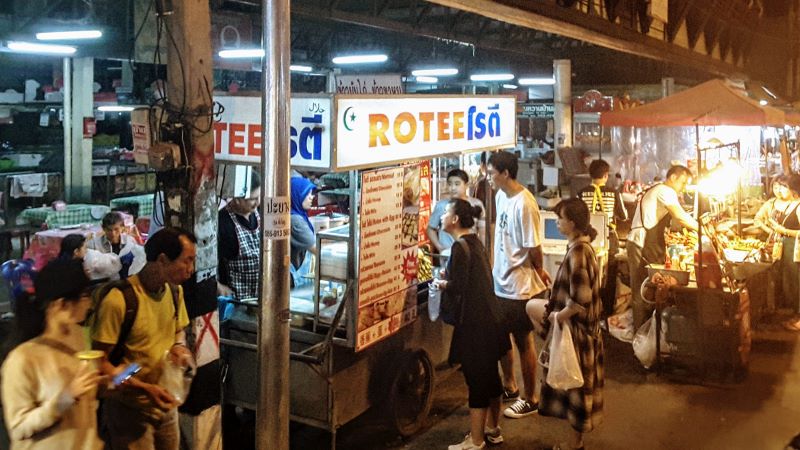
x=509, y=396
x=467, y=444
x=493, y=436
x=521, y=408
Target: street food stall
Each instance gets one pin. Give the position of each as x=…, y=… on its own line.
x=358, y=335
x=708, y=308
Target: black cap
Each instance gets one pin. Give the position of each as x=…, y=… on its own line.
x=60, y=278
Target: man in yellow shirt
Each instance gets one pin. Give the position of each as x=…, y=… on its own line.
x=140, y=414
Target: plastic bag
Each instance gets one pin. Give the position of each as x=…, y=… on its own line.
x=644, y=343
x=621, y=326
x=434, y=301
x=565, y=371
x=177, y=375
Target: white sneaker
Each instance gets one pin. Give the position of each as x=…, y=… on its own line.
x=493, y=436
x=467, y=444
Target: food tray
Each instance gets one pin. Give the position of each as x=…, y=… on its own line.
x=681, y=276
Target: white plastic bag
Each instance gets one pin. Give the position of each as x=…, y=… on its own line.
x=176, y=376
x=644, y=343
x=434, y=301
x=621, y=326
x=565, y=371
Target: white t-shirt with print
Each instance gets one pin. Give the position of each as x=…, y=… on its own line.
x=651, y=210
x=517, y=230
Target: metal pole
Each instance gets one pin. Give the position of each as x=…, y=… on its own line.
x=699, y=269
x=272, y=407
x=67, y=104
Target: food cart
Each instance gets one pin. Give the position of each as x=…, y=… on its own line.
x=725, y=125
x=359, y=336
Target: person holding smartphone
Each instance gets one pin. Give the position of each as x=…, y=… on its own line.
x=49, y=395
x=141, y=414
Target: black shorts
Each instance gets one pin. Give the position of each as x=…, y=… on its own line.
x=515, y=319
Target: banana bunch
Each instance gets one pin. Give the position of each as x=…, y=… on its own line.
x=424, y=266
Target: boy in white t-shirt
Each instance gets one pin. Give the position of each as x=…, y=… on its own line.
x=519, y=274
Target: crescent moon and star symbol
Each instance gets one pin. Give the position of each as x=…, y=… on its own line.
x=348, y=117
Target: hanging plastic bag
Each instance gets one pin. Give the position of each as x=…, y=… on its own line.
x=644, y=343
x=434, y=301
x=177, y=375
x=565, y=371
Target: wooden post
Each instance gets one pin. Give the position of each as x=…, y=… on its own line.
x=187, y=37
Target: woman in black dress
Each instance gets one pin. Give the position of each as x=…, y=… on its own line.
x=575, y=302
x=478, y=339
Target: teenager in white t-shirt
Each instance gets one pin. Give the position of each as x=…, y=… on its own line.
x=646, y=242
x=519, y=274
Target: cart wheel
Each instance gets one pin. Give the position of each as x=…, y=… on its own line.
x=411, y=393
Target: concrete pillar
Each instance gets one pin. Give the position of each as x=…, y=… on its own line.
x=667, y=87
x=562, y=97
x=81, y=100
x=189, y=69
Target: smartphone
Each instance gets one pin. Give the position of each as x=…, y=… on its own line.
x=125, y=375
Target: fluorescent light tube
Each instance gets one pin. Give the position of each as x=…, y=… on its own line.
x=443, y=72
x=115, y=108
x=426, y=79
x=40, y=49
x=69, y=35
x=536, y=81
x=300, y=68
x=242, y=53
x=492, y=77
x=360, y=59
x=510, y=86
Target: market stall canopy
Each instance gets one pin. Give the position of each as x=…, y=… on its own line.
x=712, y=103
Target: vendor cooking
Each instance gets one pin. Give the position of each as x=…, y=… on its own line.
x=239, y=245
x=646, y=243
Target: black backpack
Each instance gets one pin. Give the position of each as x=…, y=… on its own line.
x=131, y=308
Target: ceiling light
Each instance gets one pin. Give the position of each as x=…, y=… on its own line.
x=241, y=53
x=360, y=59
x=763, y=102
x=69, y=35
x=536, y=81
x=40, y=49
x=492, y=77
x=442, y=72
x=510, y=86
x=115, y=108
x=426, y=79
x=300, y=68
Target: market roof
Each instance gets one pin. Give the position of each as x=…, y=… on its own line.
x=712, y=103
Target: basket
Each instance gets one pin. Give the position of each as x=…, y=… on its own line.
x=681, y=276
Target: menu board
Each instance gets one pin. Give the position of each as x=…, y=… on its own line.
x=424, y=200
x=389, y=233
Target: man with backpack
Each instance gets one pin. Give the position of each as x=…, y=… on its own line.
x=142, y=320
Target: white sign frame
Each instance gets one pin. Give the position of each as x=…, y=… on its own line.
x=352, y=148
x=300, y=103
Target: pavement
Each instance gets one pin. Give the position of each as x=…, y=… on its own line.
x=643, y=410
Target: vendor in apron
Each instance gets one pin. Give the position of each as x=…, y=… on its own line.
x=239, y=245
x=646, y=243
